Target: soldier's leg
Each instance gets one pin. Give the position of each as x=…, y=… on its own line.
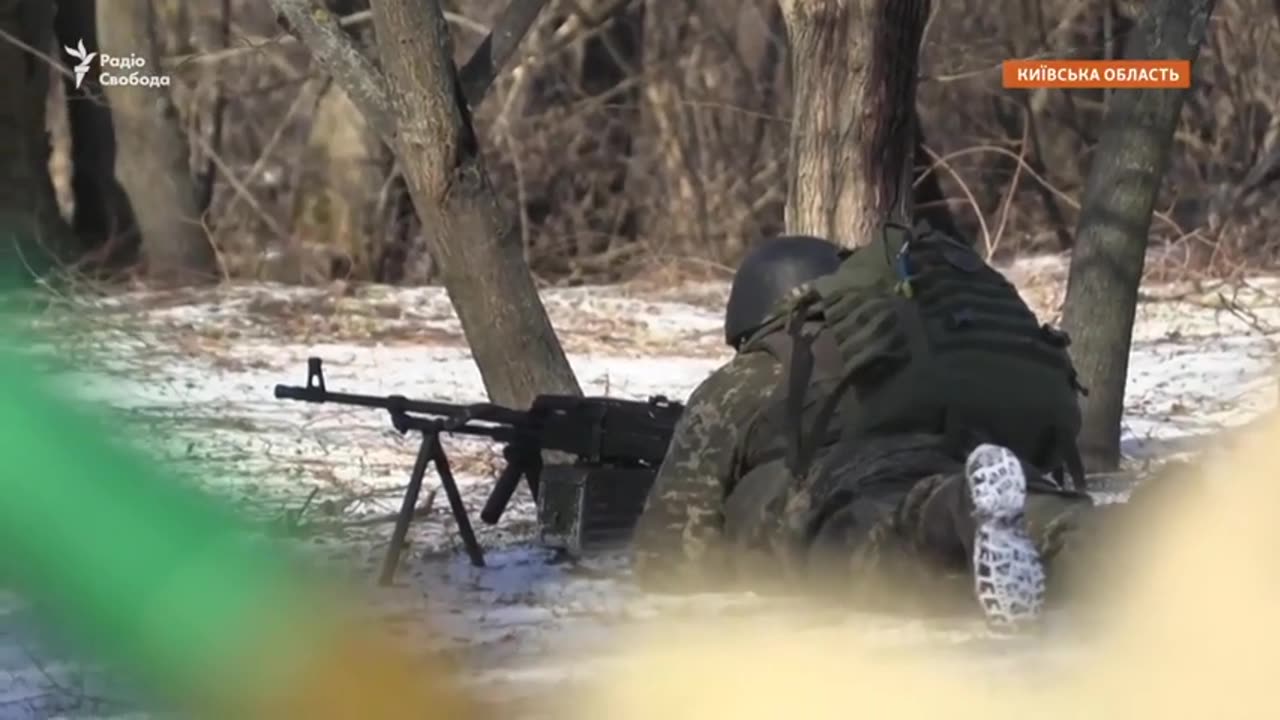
x=1086, y=544
x=779, y=536
x=848, y=523
x=853, y=552
x=944, y=525
x=781, y=531
x=997, y=526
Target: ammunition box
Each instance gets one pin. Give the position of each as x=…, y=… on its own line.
x=583, y=510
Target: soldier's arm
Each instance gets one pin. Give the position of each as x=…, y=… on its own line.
x=676, y=538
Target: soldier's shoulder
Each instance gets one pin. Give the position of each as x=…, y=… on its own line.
x=745, y=382
x=747, y=370
x=749, y=367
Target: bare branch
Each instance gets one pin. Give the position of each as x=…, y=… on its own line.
x=476, y=244
x=497, y=48
x=1266, y=172
x=334, y=51
x=254, y=43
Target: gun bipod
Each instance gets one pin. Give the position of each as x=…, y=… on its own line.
x=430, y=451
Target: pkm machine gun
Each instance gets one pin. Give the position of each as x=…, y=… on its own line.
x=594, y=499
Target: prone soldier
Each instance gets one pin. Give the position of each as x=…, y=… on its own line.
x=679, y=540
x=893, y=414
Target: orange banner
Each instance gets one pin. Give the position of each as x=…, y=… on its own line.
x=1097, y=73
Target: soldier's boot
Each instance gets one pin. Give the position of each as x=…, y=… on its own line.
x=1008, y=576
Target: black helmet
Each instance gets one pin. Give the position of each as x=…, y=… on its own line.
x=769, y=271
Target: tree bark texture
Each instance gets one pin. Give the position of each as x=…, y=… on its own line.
x=33, y=233
x=497, y=48
x=102, y=218
x=1115, y=217
x=153, y=162
x=853, y=80
x=420, y=110
x=478, y=248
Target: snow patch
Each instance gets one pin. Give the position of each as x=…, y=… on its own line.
x=195, y=371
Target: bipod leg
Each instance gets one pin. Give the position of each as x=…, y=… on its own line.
x=506, y=485
x=455, y=503
x=533, y=474
x=430, y=441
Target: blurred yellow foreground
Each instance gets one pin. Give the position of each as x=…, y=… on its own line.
x=1192, y=634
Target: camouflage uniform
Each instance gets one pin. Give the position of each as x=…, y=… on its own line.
x=867, y=522
x=679, y=537
x=896, y=514
x=909, y=334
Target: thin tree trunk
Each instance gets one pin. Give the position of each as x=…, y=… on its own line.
x=853, y=70
x=336, y=205
x=153, y=162
x=766, y=88
x=476, y=245
x=420, y=110
x=344, y=163
x=33, y=233
x=208, y=107
x=103, y=219
x=930, y=202
x=1115, y=217
x=675, y=223
x=612, y=57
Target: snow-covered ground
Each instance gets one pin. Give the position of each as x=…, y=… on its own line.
x=195, y=371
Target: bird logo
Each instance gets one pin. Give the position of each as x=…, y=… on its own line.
x=84, y=56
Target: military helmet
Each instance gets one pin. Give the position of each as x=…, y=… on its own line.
x=770, y=270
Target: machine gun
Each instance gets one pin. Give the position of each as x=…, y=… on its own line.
x=616, y=444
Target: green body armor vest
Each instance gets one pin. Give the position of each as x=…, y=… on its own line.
x=917, y=333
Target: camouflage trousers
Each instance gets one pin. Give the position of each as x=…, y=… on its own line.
x=890, y=524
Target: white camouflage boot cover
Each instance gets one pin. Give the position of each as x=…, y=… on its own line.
x=1009, y=579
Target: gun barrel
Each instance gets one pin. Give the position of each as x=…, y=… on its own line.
x=290, y=392
x=495, y=422
x=484, y=412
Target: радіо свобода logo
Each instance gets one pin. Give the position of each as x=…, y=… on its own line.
x=132, y=63
x=78, y=52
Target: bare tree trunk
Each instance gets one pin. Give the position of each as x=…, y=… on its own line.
x=344, y=164
x=764, y=53
x=336, y=205
x=497, y=48
x=103, y=219
x=33, y=233
x=1111, y=241
x=853, y=70
x=153, y=163
x=678, y=221
x=610, y=60
x=930, y=202
x=477, y=246
x=207, y=111
x=591, y=82
x=419, y=108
